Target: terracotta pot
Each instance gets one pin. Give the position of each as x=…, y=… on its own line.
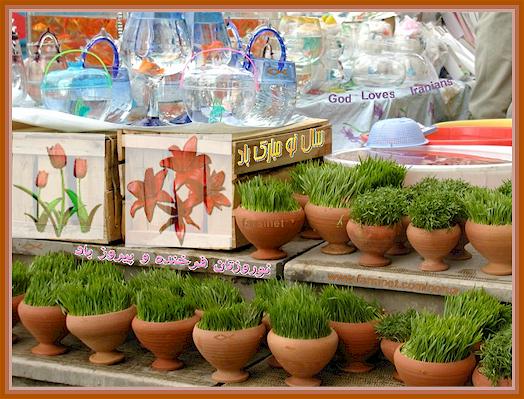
x=459, y=252
x=433, y=246
x=228, y=351
x=480, y=380
x=303, y=358
x=268, y=231
x=493, y=243
x=373, y=242
x=424, y=374
x=399, y=247
x=199, y=313
x=166, y=340
x=271, y=361
x=103, y=333
x=331, y=225
x=307, y=231
x=360, y=342
x=47, y=324
x=388, y=348
x=15, y=301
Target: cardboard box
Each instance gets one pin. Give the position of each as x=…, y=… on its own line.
x=180, y=188
x=51, y=200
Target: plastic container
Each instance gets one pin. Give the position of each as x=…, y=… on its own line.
x=471, y=135
x=77, y=90
x=275, y=101
x=484, y=166
x=395, y=133
x=479, y=122
x=218, y=92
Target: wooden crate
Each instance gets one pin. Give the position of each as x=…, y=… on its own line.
x=202, y=168
x=96, y=217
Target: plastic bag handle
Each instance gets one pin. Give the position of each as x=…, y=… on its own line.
x=255, y=36
x=233, y=28
x=102, y=38
x=255, y=70
x=41, y=40
x=108, y=76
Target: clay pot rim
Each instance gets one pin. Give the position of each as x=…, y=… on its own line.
x=40, y=307
x=326, y=338
x=95, y=316
x=389, y=226
x=327, y=207
x=269, y=213
x=300, y=194
x=465, y=360
x=392, y=340
x=164, y=323
x=432, y=231
x=477, y=370
x=372, y=322
x=505, y=226
x=230, y=331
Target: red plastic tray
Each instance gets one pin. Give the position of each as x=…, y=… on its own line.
x=471, y=135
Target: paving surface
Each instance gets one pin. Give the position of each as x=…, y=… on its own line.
x=402, y=275
x=24, y=246
x=73, y=369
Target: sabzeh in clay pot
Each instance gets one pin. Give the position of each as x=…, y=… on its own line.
x=354, y=319
x=489, y=228
x=228, y=337
x=486, y=312
x=332, y=186
x=266, y=293
x=211, y=292
x=268, y=216
x=434, y=231
x=164, y=324
x=393, y=330
x=300, y=337
x=495, y=365
x=99, y=313
x=375, y=223
x=41, y=315
x=300, y=183
x=438, y=352
x=20, y=279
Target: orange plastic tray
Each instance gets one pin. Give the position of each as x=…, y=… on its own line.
x=471, y=135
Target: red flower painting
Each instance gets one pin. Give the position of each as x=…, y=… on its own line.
x=191, y=170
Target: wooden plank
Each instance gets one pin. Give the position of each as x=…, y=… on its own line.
x=167, y=257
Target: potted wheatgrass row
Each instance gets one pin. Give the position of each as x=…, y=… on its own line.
x=92, y=301
x=367, y=207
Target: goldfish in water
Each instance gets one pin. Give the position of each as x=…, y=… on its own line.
x=150, y=68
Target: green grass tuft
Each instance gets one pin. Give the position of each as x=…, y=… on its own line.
x=159, y=305
x=95, y=269
x=343, y=305
x=267, y=291
x=99, y=296
x=239, y=316
x=55, y=262
x=506, y=188
x=482, y=309
x=333, y=185
x=439, y=339
x=378, y=172
x=20, y=278
x=397, y=326
x=488, y=207
x=496, y=357
x=384, y=206
x=267, y=195
x=43, y=288
x=300, y=179
x=434, y=210
x=298, y=314
x=157, y=278
x=213, y=293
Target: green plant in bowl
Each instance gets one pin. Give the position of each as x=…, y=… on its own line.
x=344, y=306
x=488, y=207
x=54, y=262
x=267, y=195
x=43, y=289
x=396, y=327
x=506, y=187
x=267, y=291
x=160, y=305
x=157, y=278
x=90, y=269
x=238, y=316
x=213, y=293
x=482, y=309
x=384, y=206
x=299, y=176
x=496, y=359
x=20, y=278
x=378, y=172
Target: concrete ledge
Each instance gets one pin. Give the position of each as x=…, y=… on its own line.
x=402, y=275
